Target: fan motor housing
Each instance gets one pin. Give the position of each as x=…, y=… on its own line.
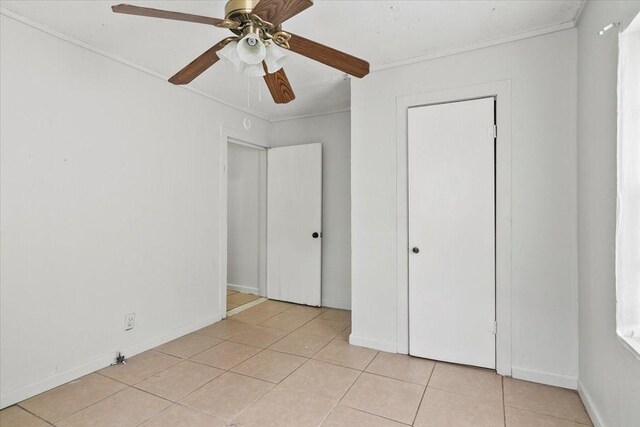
x=236, y=9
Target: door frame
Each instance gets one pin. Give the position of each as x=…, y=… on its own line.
x=234, y=136
x=501, y=91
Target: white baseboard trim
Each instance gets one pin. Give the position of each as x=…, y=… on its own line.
x=336, y=304
x=14, y=396
x=596, y=419
x=549, y=378
x=243, y=289
x=374, y=344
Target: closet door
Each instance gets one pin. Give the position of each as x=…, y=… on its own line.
x=452, y=232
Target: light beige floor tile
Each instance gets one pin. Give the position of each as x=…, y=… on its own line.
x=188, y=345
x=129, y=407
x=241, y=299
x=344, y=335
x=386, y=397
x=231, y=306
x=342, y=353
x=305, y=311
x=300, y=344
x=181, y=416
x=70, y=398
x=258, y=336
x=286, y=408
x=520, y=418
x=179, y=380
x=226, y=355
x=336, y=315
x=402, y=367
x=227, y=396
x=343, y=416
x=544, y=399
x=14, y=416
x=322, y=379
x=323, y=328
x=467, y=381
x=140, y=367
x=230, y=292
x=277, y=306
x=442, y=408
x=285, y=321
x=253, y=315
x=270, y=366
x=223, y=329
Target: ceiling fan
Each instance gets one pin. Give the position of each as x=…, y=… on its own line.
x=257, y=28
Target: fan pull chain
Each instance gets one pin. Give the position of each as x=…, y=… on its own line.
x=248, y=92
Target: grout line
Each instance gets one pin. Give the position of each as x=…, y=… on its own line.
x=550, y=416
x=415, y=417
x=504, y=409
x=29, y=412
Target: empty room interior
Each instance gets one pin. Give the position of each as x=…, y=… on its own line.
x=328, y=213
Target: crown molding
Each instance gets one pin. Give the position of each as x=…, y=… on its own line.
x=476, y=46
x=307, y=116
x=59, y=35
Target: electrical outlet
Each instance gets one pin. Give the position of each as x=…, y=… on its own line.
x=129, y=321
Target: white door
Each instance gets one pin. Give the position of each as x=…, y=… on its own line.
x=452, y=232
x=294, y=223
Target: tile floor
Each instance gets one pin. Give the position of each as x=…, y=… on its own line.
x=278, y=364
x=237, y=299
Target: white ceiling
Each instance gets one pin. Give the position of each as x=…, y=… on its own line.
x=383, y=32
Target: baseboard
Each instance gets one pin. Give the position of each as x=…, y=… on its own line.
x=243, y=289
x=596, y=419
x=336, y=304
x=549, y=378
x=374, y=344
x=25, y=392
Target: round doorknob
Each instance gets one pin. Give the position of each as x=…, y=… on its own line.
x=315, y=235
x=415, y=250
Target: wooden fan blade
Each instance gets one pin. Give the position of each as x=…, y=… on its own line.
x=165, y=14
x=198, y=65
x=278, y=11
x=329, y=56
x=279, y=86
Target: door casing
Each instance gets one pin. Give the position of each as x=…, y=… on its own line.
x=501, y=90
x=233, y=135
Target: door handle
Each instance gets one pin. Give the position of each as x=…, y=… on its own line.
x=415, y=250
x=315, y=235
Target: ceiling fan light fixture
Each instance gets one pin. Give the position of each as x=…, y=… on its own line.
x=230, y=53
x=274, y=58
x=251, y=49
x=254, y=70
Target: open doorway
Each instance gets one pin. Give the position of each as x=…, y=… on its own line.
x=270, y=223
x=246, y=223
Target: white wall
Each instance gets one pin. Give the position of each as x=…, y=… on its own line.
x=609, y=373
x=109, y=205
x=542, y=71
x=244, y=207
x=333, y=131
